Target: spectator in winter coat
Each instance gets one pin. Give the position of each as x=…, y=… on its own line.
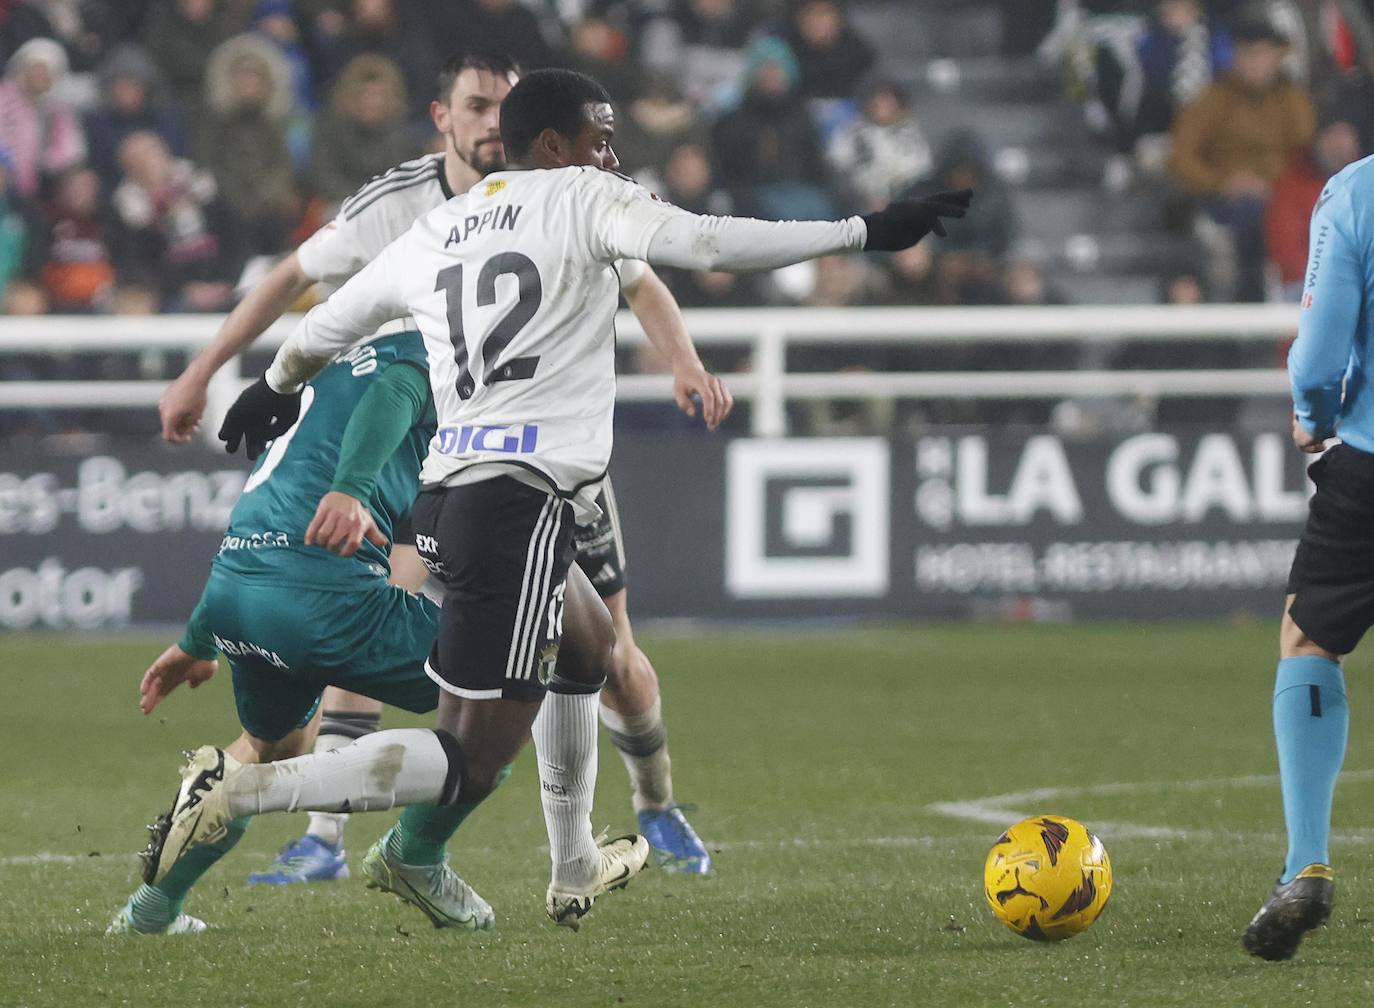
x=78, y=265
x=41, y=132
x=884, y=151
x=180, y=35
x=21, y=230
x=1180, y=54
x=363, y=133
x=833, y=57
x=1236, y=139
x=506, y=26
x=129, y=102
x=1294, y=195
x=652, y=126
x=767, y=150
x=242, y=138
x=177, y=238
x=392, y=29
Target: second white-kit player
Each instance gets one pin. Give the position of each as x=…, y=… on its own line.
x=465, y=113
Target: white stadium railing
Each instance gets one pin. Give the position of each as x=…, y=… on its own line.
x=766, y=333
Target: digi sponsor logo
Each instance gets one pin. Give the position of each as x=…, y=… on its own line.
x=510, y=439
x=808, y=518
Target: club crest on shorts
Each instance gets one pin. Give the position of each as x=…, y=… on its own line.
x=548, y=660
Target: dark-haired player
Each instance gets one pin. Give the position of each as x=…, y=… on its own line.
x=470, y=90
x=515, y=292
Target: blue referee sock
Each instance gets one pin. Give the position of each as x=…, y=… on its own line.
x=1311, y=720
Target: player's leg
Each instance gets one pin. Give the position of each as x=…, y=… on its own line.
x=1330, y=605
x=319, y=855
x=155, y=907
x=631, y=703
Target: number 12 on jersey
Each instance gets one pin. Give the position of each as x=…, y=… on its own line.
x=531, y=294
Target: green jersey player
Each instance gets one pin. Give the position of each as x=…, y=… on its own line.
x=293, y=618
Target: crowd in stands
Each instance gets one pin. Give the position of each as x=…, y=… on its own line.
x=153, y=153
x=149, y=149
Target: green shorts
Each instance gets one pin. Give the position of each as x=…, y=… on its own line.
x=286, y=644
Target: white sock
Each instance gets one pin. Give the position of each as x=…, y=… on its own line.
x=565, y=744
x=643, y=744
x=400, y=766
x=329, y=826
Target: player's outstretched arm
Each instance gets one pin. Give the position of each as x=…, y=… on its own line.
x=384, y=415
x=657, y=311
x=1332, y=305
x=692, y=241
x=183, y=403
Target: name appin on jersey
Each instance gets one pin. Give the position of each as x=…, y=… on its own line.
x=501, y=217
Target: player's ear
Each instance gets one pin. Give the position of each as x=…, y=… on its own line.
x=438, y=113
x=551, y=149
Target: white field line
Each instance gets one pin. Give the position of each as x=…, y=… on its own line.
x=1004, y=809
x=994, y=810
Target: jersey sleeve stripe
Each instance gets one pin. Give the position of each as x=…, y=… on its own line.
x=350, y=212
x=386, y=180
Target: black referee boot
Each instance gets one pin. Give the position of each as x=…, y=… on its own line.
x=1292, y=909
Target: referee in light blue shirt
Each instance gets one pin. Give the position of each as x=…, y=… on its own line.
x=1331, y=586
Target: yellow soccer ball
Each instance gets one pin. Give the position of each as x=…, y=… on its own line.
x=1047, y=878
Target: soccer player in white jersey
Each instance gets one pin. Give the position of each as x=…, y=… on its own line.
x=470, y=89
x=514, y=291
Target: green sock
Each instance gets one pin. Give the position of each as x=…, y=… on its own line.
x=422, y=832
x=154, y=907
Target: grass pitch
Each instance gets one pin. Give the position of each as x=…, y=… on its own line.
x=819, y=759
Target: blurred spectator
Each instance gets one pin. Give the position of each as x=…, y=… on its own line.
x=22, y=233
x=884, y=151
x=129, y=102
x=1294, y=195
x=179, y=36
x=702, y=41
x=242, y=138
x=767, y=150
x=1234, y=141
x=842, y=281
x=82, y=27
x=987, y=234
x=506, y=26
x=601, y=51
x=833, y=57
x=176, y=237
x=274, y=21
x=1179, y=53
x=391, y=29
x=910, y=276
x=41, y=132
x=652, y=126
x=363, y=132
x=1024, y=284
x=78, y=266
x=1183, y=287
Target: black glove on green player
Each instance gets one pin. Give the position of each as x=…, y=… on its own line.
x=258, y=415
x=902, y=224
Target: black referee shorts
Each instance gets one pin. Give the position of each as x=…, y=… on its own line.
x=1332, y=579
x=502, y=550
x=600, y=548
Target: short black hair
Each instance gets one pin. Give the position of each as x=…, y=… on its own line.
x=547, y=99
x=491, y=60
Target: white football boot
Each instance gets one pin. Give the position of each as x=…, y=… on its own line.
x=621, y=860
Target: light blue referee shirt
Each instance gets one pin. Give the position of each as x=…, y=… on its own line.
x=1336, y=327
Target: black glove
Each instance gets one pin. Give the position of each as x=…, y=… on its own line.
x=902, y=224
x=257, y=416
